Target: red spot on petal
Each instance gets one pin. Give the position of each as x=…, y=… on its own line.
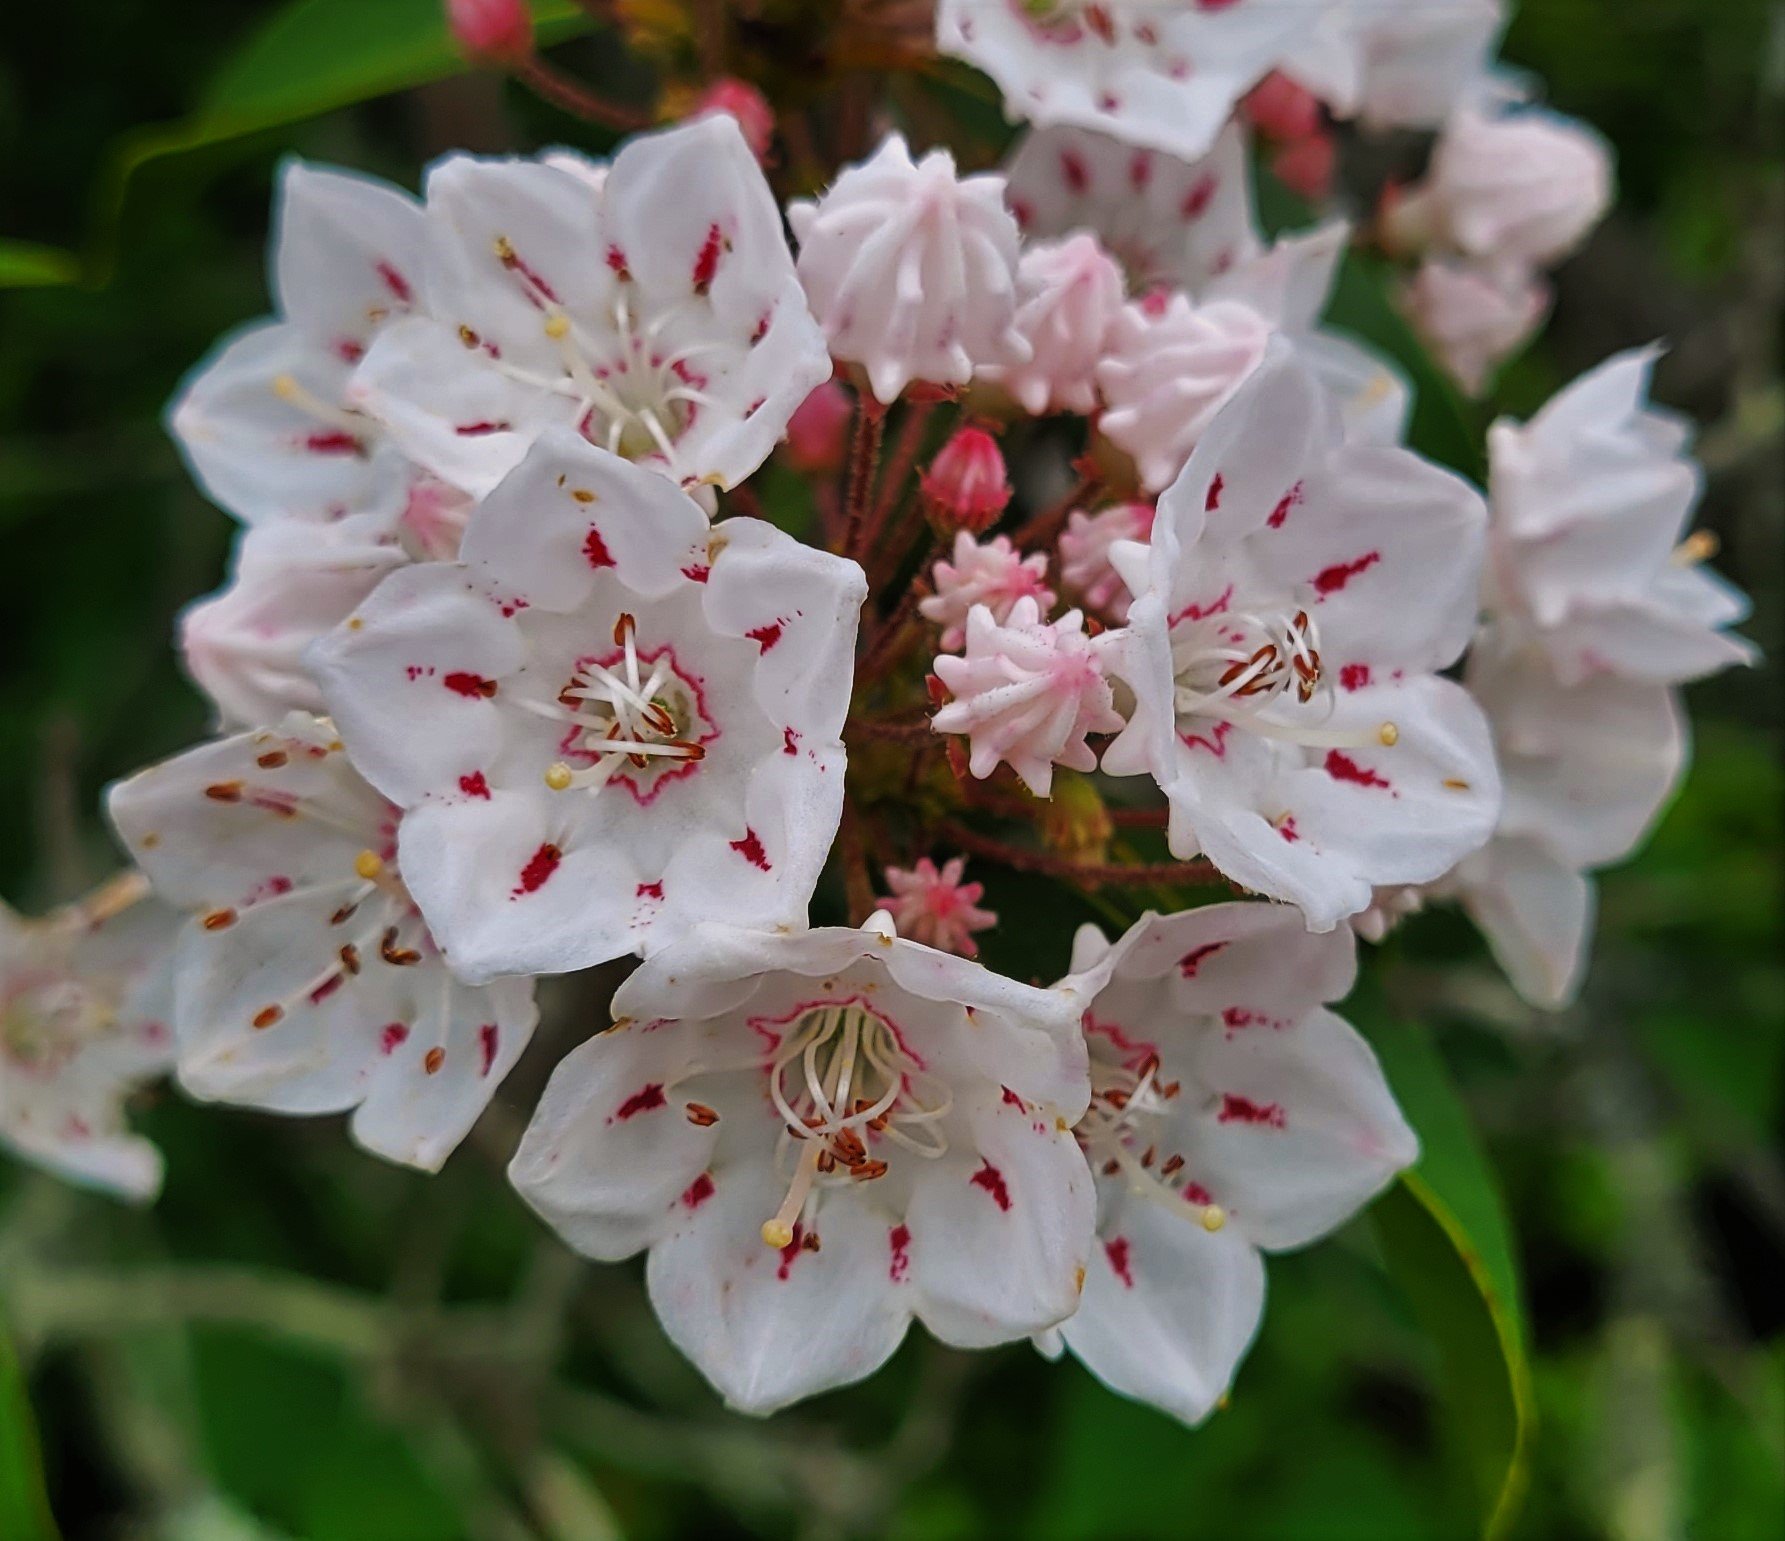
x=698, y=573
x=1013, y=1100
x=396, y=283
x=1195, y=958
x=1073, y=169
x=1288, y=830
x=642, y=1101
x=1354, y=676
x=1197, y=1194
x=475, y=785
x=472, y=686
x=899, y=1240
x=992, y=1180
x=616, y=260
x=1236, y=1109
x=1213, y=500
x=487, y=1039
x=1281, y=511
x=1331, y=579
x=1197, y=200
x=349, y=350
x=698, y=1191
x=651, y=890
x=750, y=848
x=595, y=549
x=332, y=442
x=1341, y=767
x=790, y=741
x=1116, y=1249
x=391, y=1039
x=706, y=264
x=480, y=428
x=767, y=636
x=540, y=866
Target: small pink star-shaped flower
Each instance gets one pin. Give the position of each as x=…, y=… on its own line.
x=935, y=907
x=992, y=573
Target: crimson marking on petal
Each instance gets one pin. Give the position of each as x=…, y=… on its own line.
x=616, y=260
x=1213, y=500
x=706, y=264
x=1281, y=511
x=1073, y=169
x=1236, y=1109
x=1197, y=200
x=643, y=1100
x=790, y=741
x=335, y=441
x=487, y=1040
x=475, y=785
x=396, y=283
x=767, y=636
x=479, y=429
x=1233, y=1018
x=1215, y=744
x=992, y=1180
x=1197, y=1194
x=697, y=572
x=1354, y=676
x=595, y=549
x=1288, y=830
x=899, y=1240
x=1015, y=1101
x=391, y=1039
x=792, y=1250
x=349, y=350
x=1197, y=956
x=471, y=686
x=1116, y=1249
x=698, y=1191
x=1195, y=612
x=1331, y=579
x=750, y=848
x=1341, y=767
x=1140, y=170
x=540, y=866
x=651, y=890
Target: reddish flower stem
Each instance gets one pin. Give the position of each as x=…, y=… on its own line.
x=1139, y=818
x=858, y=880
x=898, y=468
x=898, y=732
x=864, y=456
x=551, y=84
x=1082, y=874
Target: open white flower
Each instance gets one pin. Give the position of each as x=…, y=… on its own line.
x=1231, y=1113
x=84, y=1012
x=266, y=424
x=655, y=311
x=911, y=269
x=1298, y=596
x=1164, y=76
x=1396, y=63
x=1588, y=547
x=820, y=1136
x=1173, y=224
x=306, y=981
x=608, y=721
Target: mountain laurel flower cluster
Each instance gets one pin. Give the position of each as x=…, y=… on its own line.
x=803, y=608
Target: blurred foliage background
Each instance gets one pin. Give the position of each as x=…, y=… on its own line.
x=301, y=1342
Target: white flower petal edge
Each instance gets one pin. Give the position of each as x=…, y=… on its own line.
x=1230, y=1113
x=657, y=313
x=305, y=981
x=819, y=1137
x=607, y=722
x=1293, y=607
x=84, y=1015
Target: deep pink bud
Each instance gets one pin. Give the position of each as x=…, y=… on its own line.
x=1306, y=165
x=818, y=431
x=499, y=31
x=965, y=487
x=741, y=100
x=1281, y=109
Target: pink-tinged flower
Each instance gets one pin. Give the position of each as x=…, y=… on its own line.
x=1070, y=292
x=1588, y=547
x=740, y=100
x=1231, y=1114
x=990, y=573
x=965, y=487
x=1166, y=77
x=608, y=721
x=1299, y=596
x=1026, y=694
x=818, y=431
x=500, y=31
x=1472, y=318
x=1173, y=224
x=1282, y=108
x=84, y=1013
x=1520, y=189
x=1084, y=554
x=1306, y=166
x=819, y=1137
x=654, y=310
x=1587, y=768
x=911, y=269
x=307, y=982
x=291, y=583
x=265, y=424
x=935, y=907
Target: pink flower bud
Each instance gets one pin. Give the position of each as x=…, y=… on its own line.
x=965, y=487
x=818, y=431
x=1279, y=108
x=500, y=31
x=741, y=100
x=1305, y=165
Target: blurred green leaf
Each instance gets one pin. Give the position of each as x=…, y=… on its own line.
x=311, y=57
x=24, y=1505
x=1446, y=1241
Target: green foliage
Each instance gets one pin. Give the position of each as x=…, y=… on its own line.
x=24, y=1506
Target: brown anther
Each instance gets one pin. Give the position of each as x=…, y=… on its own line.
x=848, y=1147
x=1111, y=1167
x=468, y=337
x=343, y=914
x=827, y=1163
x=272, y=759
x=268, y=1015
x=400, y=957
x=1116, y=1098
x=700, y=1114
x=582, y=495
x=690, y=751
x=219, y=920
x=867, y=1171
x=809, y=1241
x=224, y=791
x=1171, y=1165
x=1167, y=1090
x=433, y=1060
x=623, y=628
x=1148, y=1156
x=350, y=958
x=1149, y=1067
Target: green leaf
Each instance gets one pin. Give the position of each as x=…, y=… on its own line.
x=311, y=57
x=1445, y=1238
x=24, y=1504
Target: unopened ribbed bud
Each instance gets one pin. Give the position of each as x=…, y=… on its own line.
x=495, y=31
x=966, y=487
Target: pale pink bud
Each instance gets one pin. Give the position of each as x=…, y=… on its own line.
x=818, y=431
x=965, y=487
x=1305, y=165
x=936, y=908
x=500, y=31
x=740, y=100
x=1084, y=555
x=995, y=575
x=1473, y=318
x=1280, y=108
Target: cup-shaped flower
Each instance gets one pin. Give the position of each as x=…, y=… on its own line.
x=653, y=308
x=84, y=1023
x=1588, y=549
x=819, y=1136
x=911, y=269
x=1231, y=1114
x=608, y=721
x=1163, y=76
x=991, y=573
x=1070, y=293
x=1297, y=599
x=305, y=980
x=265, y=423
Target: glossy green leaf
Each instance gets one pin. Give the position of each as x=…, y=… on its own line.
x=1445, y=1238
x=24, y=1505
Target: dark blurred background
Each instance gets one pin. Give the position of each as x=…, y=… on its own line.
x=333, y=1350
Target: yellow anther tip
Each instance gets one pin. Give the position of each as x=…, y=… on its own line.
x=1389, y=735
x=557, y=326
x=1213, y=1218
x=777, y=1234
x=284, y=386
x=368, y=864
x=557, y=777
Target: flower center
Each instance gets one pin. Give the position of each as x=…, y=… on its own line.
x=45, y=1023
x=842, y=1082
x=1129, y=1103
x=628, y=711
